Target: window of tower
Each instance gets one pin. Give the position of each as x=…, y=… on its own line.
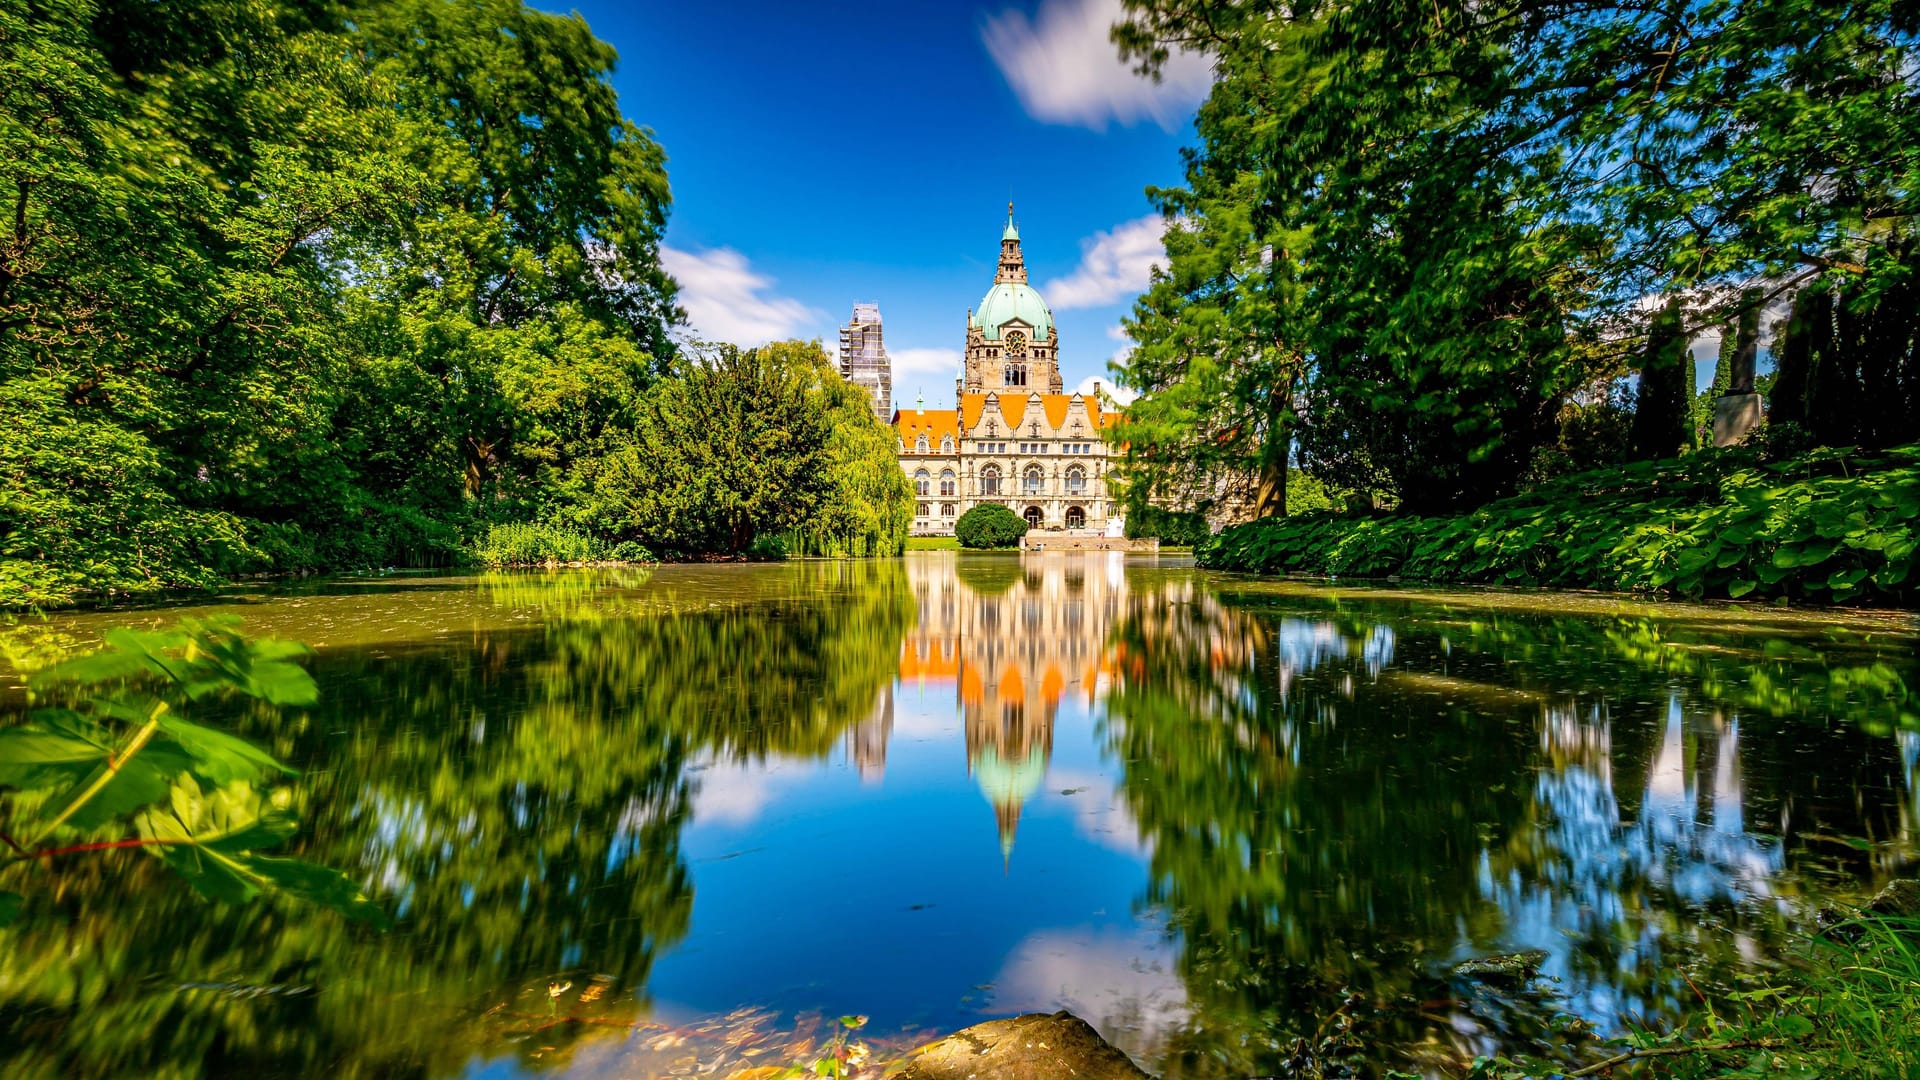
x=1016, y=374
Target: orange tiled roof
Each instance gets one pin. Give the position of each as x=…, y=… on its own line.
x=1013, y=411
x=940, y=662
x=1052, y=683
x=933, y=423
x=971, y=691
x=1010, y=688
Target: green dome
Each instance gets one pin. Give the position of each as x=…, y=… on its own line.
x=1004, y=782
x=1011, y=300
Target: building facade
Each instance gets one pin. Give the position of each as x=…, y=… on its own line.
x=864, y=361
x=1015, y=438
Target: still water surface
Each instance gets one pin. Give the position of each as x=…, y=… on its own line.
x=707, y=806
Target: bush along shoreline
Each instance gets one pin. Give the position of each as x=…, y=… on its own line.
x=1833, y=526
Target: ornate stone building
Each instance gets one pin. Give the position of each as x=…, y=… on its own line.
x=1015, y=438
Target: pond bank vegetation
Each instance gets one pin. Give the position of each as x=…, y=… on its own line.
x=1828, y=526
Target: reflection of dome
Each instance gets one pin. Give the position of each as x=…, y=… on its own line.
x=1011, y=300
x=1007, y=785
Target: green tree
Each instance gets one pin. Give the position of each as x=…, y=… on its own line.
x=989, y=525
x=742, y=443
x=1487, y=192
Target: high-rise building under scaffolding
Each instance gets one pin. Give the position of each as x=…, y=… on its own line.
x=863, y=359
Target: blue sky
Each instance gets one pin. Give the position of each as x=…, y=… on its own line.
x=827, y=153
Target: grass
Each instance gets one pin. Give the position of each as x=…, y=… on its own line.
x=932, y=543
x=1849, y=1007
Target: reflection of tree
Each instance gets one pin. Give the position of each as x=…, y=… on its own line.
x=516, y=795
x=1305, y=844
x=1340, y=796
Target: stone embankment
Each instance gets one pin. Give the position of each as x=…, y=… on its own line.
x=1071, y=540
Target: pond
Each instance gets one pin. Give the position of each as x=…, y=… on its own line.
x=663, y=822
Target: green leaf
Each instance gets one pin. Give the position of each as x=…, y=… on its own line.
x=218, y=756
x=1794, y=1026
x=214, y=838
x=140, y=781
x=1739, y=589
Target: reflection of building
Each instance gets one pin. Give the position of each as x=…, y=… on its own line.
x=1015, y=437
x=864, y=361
x=867, y=740
x=1012, y=638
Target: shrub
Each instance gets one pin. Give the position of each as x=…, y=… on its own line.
x=535, y=545
x=1833, y=526
x=630, y=551
x=990, y=525
x=1169, y=526
x=768, y=547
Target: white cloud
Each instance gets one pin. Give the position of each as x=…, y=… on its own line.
x=924, y=364
x=928, y=372
x=1121, y=395
x=727, y=301
x=1114, y=265
x=1066, y=70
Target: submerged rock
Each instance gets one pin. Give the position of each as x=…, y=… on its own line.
x=1031, y=1047
x=1900, y=897
x=1514, y=966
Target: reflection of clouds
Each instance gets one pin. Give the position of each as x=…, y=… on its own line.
x=1100, y=811
x=732, y=792
x=1305, y=645
x=1909, y=743
x=1122, y=982
x=1583, y=875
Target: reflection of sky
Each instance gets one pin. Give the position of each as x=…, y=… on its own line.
x=813, y=890
x=1687, y=844
x=1305, y=645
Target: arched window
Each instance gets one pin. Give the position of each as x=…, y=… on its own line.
x=946, y=482
x=1016, y=374
x=1031, y=480
x=920, y=445
x=920, y=509
x=990, y=480
x=1033, y=516
x=946, y=444
x=922, y=483
x=1076, y=481
x=1076, y=518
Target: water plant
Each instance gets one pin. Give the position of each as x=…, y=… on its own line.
x=119, y=765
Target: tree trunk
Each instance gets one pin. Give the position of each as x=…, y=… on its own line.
x=1793, y=360
x=1270, y=495
x=1660, y=408
x=1746, y=345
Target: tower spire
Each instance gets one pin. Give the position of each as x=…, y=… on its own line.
x=1013, y=266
